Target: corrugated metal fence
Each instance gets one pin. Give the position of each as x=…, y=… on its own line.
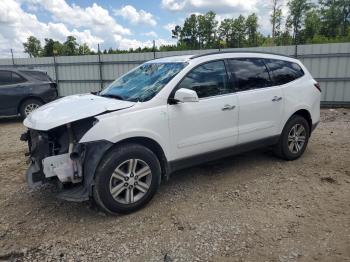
x=328, y=63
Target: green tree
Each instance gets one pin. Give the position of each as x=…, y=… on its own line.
x=207, y=30
x=176, y=32
x=252, y=30
x=32, y=46
x=345, y=11
x=48, y=47
x=335, y=17
x=226, y=31
x=84, y=49
x=189, y=32
x=296, y=17
x=52, y=48
x=312, y=25
x=276, y=18
x=239, y=32
x=70, y=47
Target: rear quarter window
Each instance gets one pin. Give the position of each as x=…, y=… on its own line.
x=41, y=76
x=283, y=72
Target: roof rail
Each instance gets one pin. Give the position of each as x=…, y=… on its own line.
x=227, y=52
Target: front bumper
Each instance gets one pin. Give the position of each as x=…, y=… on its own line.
x=74, y=178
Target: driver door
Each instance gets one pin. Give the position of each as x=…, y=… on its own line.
x=209, y=124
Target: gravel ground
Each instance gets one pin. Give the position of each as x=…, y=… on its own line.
x=252, y=207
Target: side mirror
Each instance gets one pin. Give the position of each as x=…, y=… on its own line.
x=186, y=95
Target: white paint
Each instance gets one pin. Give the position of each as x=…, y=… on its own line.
x=71, y=108
x=188, y=128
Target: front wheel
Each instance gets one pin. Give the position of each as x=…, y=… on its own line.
x=126, y=179
x=294, y=138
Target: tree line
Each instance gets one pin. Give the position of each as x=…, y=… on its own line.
x=306, y=23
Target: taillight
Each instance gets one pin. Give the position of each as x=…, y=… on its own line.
x=317, y=85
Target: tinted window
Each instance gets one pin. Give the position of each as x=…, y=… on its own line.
x=209, y=79
x=249, y=73
x=284, y=71
x=42, y=76
x=17, y=78
x=5, y=77
x=8, y=78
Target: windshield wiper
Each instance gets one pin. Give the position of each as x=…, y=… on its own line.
x=113, y=96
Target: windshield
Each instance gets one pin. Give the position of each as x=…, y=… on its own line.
x=144, y=82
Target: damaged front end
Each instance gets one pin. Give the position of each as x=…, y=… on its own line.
x=57, y=157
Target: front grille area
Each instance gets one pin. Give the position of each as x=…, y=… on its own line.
x=39, y=146
x=42, y=144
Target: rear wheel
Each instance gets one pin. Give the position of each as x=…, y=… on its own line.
x=29, y=106
x=294, y=138
x=127, y=179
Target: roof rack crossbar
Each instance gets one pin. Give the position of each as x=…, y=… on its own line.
x=251, y=52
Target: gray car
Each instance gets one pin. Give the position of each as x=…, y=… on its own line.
x=24, y=90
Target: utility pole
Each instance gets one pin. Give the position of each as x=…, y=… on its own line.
x=56, y=68
x=296, y=42
x=100, y=66
x=13, y=60
x=154, y=49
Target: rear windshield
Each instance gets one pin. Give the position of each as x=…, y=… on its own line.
x=42, y=76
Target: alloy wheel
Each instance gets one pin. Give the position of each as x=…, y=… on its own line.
x=30, y=108
x=130, y=181
x=296, y=138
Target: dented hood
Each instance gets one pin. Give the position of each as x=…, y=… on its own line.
x=71, y=108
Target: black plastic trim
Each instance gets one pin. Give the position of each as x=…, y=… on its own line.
x=239, y=52
x=314, y=126
x=217, y=154
x=94, y=152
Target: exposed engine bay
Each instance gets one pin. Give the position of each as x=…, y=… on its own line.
x=56, y=156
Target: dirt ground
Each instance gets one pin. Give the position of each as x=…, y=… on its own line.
x=252, y=207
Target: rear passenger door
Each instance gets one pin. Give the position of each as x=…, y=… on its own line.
x=11, y=92
x=260, y=102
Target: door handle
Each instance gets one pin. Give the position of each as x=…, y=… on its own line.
x=276, y=98
x=228, y=107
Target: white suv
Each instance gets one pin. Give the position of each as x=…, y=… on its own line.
x=166, y=114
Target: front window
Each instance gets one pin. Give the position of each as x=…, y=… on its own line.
x=207, y=80
x=144, y=82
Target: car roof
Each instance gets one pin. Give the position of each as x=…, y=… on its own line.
x=21, y=69
x=221, y=55
x=172, y=59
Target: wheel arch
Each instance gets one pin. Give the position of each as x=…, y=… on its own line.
x=28, y=98
x=152, y=145
x=305, y=114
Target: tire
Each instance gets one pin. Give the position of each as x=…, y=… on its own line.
x=289, y=147
x=28, y=106
x=118, y=189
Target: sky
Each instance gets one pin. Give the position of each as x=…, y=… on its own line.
x=121, y=24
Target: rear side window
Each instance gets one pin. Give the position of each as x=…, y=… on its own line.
x=249, y=73
x=16, y=78
x=42, y=76
x=283, y=72
x=209, y=79
x=9, y=78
